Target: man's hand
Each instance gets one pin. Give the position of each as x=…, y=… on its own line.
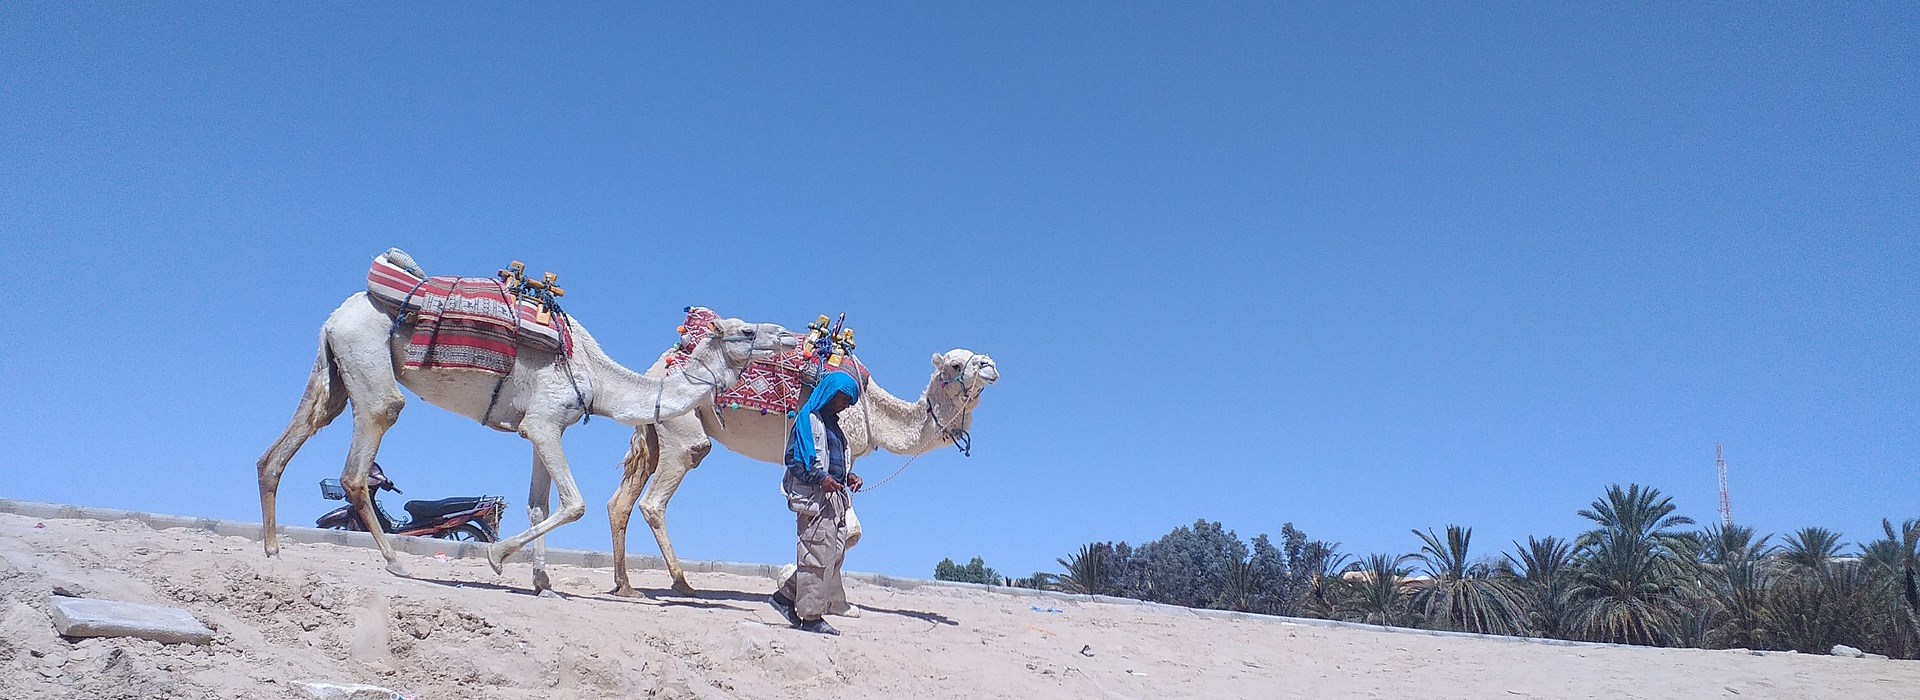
x=854, y=482
x=827, y=483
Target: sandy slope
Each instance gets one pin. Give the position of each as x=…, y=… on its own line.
x=325, y=612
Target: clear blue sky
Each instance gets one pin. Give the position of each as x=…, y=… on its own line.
x=1360, y=268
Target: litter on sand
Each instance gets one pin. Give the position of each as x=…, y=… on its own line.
x=1048, y=609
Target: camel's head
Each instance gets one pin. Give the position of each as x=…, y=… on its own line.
x=964, y=374
x=958, y=378
x=742, y=343
x=969, y=371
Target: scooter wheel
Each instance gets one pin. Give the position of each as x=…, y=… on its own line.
x=467, y=532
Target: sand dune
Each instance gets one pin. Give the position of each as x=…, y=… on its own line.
x=329, y=613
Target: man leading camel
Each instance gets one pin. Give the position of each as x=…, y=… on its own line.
x=816, y=469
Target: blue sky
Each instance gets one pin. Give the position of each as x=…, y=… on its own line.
x=1359, y=268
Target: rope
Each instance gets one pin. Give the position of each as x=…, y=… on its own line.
x=960, y=438
x=513, y=308
x=883, y=482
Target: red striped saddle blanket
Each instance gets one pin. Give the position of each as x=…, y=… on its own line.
x=773, y=385
x=466, y=323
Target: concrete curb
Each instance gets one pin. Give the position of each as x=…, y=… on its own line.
x=422, y=546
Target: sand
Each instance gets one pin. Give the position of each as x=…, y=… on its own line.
x=330, y=613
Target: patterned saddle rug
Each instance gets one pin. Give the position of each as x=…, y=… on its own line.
x=465, y=323
x=773, y=385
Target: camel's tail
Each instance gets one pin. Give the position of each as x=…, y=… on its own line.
x=642, y=450
x=324, y=399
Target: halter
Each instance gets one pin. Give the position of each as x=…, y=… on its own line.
x=960, y=438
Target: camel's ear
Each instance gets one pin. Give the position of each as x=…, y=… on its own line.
x=715, y=327
x=939, y=360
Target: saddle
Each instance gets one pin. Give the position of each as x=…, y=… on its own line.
x=469, y=323
x=423, y=511
x=775, y=384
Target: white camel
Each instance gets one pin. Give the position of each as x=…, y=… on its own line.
x=361, y=359
x=880, y=420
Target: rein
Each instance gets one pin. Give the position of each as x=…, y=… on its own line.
x=959, y=437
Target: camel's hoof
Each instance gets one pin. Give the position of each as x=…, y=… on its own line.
x=546, y=593
x=398, y=569
x=496, y=560
x=682, y=588
x=626, y=592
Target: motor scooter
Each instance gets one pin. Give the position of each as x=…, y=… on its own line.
x=462, y=518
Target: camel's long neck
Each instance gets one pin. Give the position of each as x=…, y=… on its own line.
x=631, y=398
x=894, y=424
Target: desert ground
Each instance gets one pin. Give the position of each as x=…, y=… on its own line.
x=330, y=613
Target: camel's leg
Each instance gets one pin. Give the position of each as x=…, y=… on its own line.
x=376, y=405
x=538, y=491
x=545, y=436
x=323, y=401
x=637, y=467
x=679, y=452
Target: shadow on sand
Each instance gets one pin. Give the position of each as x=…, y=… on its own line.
x=935, y=618
x=667, y=597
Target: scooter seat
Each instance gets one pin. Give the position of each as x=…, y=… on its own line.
x=422, y=511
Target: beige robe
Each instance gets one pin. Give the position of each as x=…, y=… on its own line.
x=821, y=521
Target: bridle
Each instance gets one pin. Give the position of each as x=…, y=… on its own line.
x=960, y=438
x=713, y=380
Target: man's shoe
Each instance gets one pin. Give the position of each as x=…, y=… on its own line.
x=785, y=606
x=819, y=626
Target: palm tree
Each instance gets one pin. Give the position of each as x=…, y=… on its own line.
x=1909, y=537
x=1730, y=543
x=1459, y=596
x=1628, y=587
x=1546, y=569
x=1811, y=613
x=1809, y=550
x=1087, y=570
x=1635, y=513
x=1240, y=587
x=1321, y=562
x=1894, y=565
x=1380, y=595
x=1735, y=572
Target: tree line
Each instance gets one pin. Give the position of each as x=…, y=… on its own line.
x=1640, y=575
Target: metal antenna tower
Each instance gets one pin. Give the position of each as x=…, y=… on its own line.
x=1726, y=506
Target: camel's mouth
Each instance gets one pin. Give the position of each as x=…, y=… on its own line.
x=989, y=374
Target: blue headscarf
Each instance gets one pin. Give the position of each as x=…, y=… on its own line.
x=800, y=452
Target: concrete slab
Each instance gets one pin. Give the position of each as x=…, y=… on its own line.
x=86, y=617
x=348, y=691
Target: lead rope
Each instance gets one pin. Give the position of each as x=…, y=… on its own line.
x=883, y=482
x=960, y=439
